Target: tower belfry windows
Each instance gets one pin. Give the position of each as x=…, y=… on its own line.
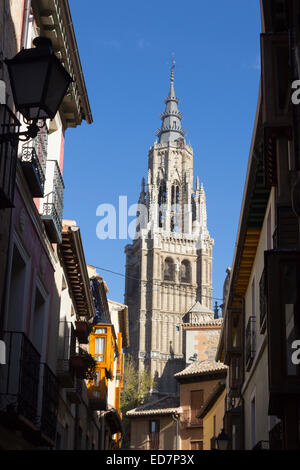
x=169, y=270
x=172, y=224
x=162, y=196
x=160, y=219
x=185, y=271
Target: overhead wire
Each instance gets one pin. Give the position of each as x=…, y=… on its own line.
x=174, y=287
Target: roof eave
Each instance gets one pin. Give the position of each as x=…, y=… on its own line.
x=201, y=376
x=55, y=22
x=71, y=233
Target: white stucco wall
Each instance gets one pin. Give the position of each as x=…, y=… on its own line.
x=256, y=379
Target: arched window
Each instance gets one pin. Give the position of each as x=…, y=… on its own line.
x=160, y=219
x=177, y=195
x=169, y=269
x=162, y=195
x=174, y=225
x=185, y=271
x=173, y=196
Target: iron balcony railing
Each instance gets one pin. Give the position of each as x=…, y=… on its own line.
x=154, y=441
x=189, y=419
x=33, y=161
x=19, y=385
x=74, y=394
x=49, y=394
x=250, y=342
x=52, y=204
x=40, y=144
x=33, y=171
x=97, y=391
x=66, y=349
x=262, y=303
x=8, y=156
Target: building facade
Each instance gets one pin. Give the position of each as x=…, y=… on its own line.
x=260, y=336
x=169, y=264
x=197, y=382
x=78, y=425
x=155, y=425
x=33, y=274
x=212, y=414
x=108, y=339
x=155, y=422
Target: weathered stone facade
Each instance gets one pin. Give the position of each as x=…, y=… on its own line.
x=169, y=264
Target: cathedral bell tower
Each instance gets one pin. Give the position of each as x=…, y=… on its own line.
x=169, y=263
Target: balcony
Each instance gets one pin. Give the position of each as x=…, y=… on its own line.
x=82, y=331
x=33, y=171
x=8, y=157
x=262, y=303
x=190, y=420
x=66, y=349
x=250, y=342
x=19, y=384
x=33, y=162
x=83, y=364
x=235, y=376
x=49, y=393
x=154, y=441
x=234, y=427
x=28, y=392
x=97, y=391
x=52, y=203
x=74, y=394
x=282, y=284
x=120, y=366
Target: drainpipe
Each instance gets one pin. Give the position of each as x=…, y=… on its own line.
x=27, y=6
x=176, y=418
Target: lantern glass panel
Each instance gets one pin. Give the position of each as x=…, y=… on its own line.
x=39, y=81
x=28, y=80
x=57, y=85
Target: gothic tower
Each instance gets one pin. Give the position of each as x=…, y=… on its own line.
x=169, y=263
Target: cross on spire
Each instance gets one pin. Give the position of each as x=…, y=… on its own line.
x=171, y=119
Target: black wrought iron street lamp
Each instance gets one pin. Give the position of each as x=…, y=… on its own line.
x=222, y=440
x=38, y=82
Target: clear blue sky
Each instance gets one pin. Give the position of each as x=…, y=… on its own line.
x=125, y=50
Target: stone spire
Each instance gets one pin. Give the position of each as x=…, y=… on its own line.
x=171, y=119
x=202, y=204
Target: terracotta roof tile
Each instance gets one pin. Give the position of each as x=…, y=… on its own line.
x=163, y=406
x=201, y=368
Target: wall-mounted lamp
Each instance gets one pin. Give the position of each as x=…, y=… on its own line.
x=222, y=440
x=38, y=82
